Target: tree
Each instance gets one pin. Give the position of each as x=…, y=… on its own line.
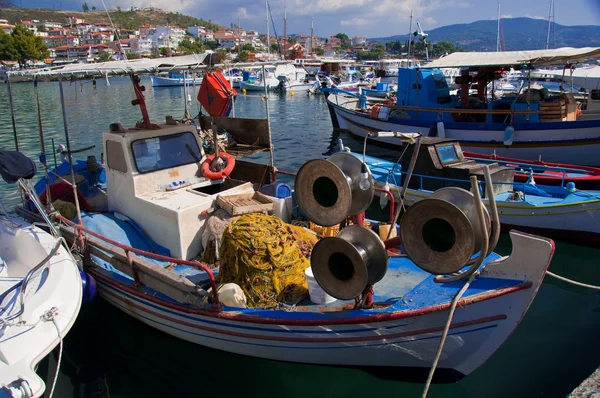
x=292, y=40
x=93, y=8
x=275, y=47
x=247, y=47
x=42, y=28
x=105, y=56
x=343, y=37
x=188, y=47
x=211, y=44
x=131, y=55
x=85, y=7
x=27, y=45
x=8, y=51
x=164, y=51
x=319, y=51
x=243, y=56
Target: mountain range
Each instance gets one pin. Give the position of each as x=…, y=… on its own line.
x=517, y=34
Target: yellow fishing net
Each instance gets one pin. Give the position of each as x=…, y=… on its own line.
x=266, y=258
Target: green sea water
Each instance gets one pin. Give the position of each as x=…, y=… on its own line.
x=109, y=354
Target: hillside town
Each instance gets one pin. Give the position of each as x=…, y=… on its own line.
x=76, y=40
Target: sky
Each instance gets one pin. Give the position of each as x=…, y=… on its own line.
x=370, y=18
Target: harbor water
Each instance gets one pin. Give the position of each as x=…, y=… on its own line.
x=109, y=354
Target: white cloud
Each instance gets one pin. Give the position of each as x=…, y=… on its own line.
x=534, y=16
x=242, y=12
x=355, y=22
x=505, y=16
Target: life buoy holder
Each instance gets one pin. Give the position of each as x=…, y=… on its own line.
x=217, y=175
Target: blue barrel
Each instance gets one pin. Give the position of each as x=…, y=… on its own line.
x=245, y=76
x=277, y=189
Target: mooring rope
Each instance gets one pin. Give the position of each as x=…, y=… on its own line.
x=445, y=333
x=562, y=278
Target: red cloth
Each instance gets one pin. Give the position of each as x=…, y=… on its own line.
x=64, y=191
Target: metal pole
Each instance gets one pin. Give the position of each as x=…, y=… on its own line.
x=12, y=113
x=271, y=159
x=42, y=145
x=409, y=35
x=64, y=115
x=411, y=168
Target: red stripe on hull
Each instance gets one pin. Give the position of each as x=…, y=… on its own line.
x=488, y=295
x=132, y=304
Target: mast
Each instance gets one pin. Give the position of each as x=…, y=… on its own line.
x=409, y=33
x=284, y=32
x=498, y=33
x=312, y=27
x=550, y=16
x=239, y=40
x=268, y=41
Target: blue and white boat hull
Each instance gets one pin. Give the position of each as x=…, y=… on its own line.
x=404, y=335
x=576, y=142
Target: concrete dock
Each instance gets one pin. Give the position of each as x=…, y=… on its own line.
x=589, y=388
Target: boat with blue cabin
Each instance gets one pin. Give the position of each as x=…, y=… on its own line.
x=528, y=125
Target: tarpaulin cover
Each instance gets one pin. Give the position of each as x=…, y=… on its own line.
x=127, y=232
x=216, y=94
x=15, y=165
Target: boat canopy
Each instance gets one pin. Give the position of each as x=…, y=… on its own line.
x=142, y=66
x=515, y=58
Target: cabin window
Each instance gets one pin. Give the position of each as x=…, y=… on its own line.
x=115, y=157
x=159, y=153
x=447, y=153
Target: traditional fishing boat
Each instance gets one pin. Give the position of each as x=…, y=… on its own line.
x=559, y=211
x=40, y=291
x=527, y=126
x=156, y=205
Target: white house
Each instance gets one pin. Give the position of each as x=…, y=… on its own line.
x=168, y=36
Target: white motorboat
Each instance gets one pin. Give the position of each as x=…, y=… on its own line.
x=40, y=295
x=174, y=80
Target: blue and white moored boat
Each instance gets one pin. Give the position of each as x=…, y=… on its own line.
x=528, y=126
x=174, y=79
x=561, y=212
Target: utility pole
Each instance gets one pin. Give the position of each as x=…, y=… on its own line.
x=284, y=32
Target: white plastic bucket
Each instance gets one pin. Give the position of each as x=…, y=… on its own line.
x=317, y=295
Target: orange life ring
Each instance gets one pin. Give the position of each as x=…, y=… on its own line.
x=217, y=175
